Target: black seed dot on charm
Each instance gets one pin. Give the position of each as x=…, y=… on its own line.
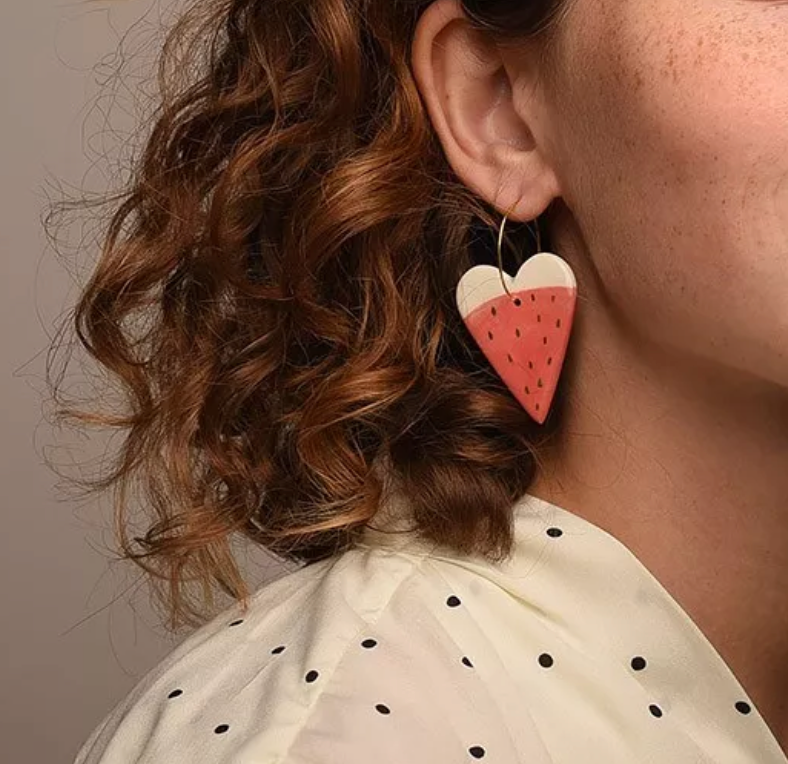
x=743, y=707
x=494, y=311
x=539, y=382
x=222, y=728
x=655, y=710
x=381, y=709
x=311, y=676
x=477, y=752
x=453, y=601
x=530, y=364
x=533, y=297
x=489, y=334
x=552, y=298
x=467, y=662
x=235, y=623
x=638, y=663
x=509, y=356
x=539, y=317
x=550, y=361
x=558, y=323
x=175, y=693
x=528, y=392
x=545, y=660
x=555, y=532
x=537, y=407
x=278, y=650
x=518, y=302
x=517, y=332
x=544, y=340
x=368, y=643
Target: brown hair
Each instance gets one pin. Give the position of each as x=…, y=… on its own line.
x=275, y=294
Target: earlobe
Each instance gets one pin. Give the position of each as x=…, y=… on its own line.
x=466, y=87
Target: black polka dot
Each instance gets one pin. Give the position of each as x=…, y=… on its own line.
x=453, y=601
x=476, y=751
x=311, y=676
x=278, y=650
x=555, y=532
x=546, y=660
x=655, y=710
x=467, y=661
x=518, y=302
x=638, y=663
x=743, y=707
x=368, y=643
x=222, y=728
x=380, y=708
x=235, y=623
x=175, y=693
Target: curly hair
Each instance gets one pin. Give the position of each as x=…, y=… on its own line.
x=275, y=295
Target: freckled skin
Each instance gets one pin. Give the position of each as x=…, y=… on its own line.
x=677, y=173
x=662, y=138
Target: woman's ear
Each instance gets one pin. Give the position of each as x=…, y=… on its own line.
x=485, y=110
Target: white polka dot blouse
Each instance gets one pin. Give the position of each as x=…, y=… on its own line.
x=569, y=652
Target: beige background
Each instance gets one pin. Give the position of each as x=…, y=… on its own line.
x=77, y=632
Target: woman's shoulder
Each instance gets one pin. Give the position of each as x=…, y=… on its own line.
x=342, y=660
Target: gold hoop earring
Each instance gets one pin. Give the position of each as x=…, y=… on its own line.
x=500, y=240
x=522, y=324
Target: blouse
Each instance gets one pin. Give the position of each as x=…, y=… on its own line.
x=400, y=652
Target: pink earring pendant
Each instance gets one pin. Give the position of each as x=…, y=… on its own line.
x=523, y=334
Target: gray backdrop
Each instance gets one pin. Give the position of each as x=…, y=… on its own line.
x=77, y=631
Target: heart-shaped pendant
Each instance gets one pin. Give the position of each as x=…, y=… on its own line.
x=524, y=334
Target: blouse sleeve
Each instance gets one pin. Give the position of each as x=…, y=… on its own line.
x=417, y=699
x=359, y=668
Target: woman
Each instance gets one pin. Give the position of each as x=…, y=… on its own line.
x=601, y=580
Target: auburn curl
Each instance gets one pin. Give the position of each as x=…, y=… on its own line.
x=276, y=296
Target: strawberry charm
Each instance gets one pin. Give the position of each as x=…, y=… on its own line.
x=525, y=333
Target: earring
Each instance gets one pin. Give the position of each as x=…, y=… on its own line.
x=522, y=324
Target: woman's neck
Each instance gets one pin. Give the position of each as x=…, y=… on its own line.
x=686, y=465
